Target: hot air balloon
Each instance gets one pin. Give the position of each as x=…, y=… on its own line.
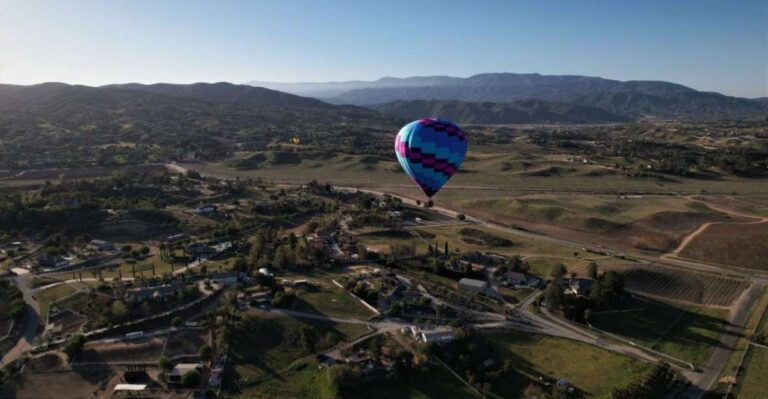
x=430, y=150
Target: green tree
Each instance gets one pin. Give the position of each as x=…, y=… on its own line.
x=558, y=271
x=74, y=345
x=118, y=309
x=592, y=270
x=343, y=376
x=164, y=363
x=205, y=352
x=177, y=322
x=554, y=295
x=190, y=379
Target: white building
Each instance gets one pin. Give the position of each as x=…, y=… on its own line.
x=472, y=285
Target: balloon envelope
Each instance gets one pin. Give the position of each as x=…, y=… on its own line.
x=430, y=151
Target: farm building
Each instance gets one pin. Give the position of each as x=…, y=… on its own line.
x=472, y=285
x=437, y=335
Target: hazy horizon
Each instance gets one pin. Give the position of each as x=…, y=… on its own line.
x=709, y=46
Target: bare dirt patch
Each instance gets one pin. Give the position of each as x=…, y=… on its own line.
x=144, y=350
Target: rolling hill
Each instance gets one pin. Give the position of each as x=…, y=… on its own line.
x=516, y=112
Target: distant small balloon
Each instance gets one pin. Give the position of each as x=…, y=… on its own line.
x=430, y=150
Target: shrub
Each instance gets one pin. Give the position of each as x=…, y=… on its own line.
x=190, y=379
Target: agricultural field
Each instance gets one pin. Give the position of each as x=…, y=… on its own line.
x=739, y=245
x=537, y=356
x=687, y=333
x=40, y=176
x=684, y=286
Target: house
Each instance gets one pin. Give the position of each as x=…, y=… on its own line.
x=197, y=249
x=156, y=292
x=472, y=285
x=260, y=298
x=579, y=286
x=206, y=209
x=226, y=278
x=515, y=278
x=438, y=335
x=181, y=369
x=101, y=246
x=52, y=261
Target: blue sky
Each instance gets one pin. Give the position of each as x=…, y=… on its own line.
x=708, y=45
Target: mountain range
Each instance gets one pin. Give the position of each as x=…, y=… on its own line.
x=514, y=112
x=628, y=99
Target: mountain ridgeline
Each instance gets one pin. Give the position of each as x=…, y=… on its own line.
x=630, y=99
x=515, y=112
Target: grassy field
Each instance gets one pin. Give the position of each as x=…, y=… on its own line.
x=687, y=333
x=46, y=297
x=511, y=167
x=263, y=346
x=754, y=385
x=542, y=255
x=744, y=246
x=594, y=373
x=333, y=302
x=304, y=380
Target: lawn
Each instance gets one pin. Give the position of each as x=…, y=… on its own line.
x=687, y=333
x=592, y=370
x=333, y=302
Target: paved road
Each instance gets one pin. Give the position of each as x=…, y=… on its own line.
x=724, y=349
x=32, y=319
